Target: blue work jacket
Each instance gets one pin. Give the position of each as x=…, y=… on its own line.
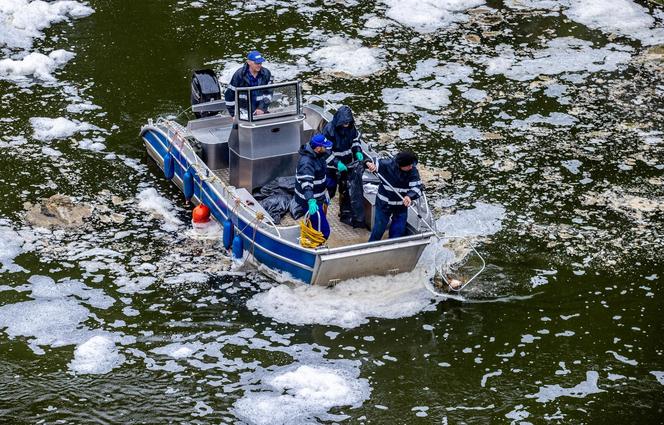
x=406, y=183
x=260, y=99
x=310, y=176
x=345, y=140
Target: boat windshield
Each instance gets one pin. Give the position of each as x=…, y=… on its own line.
x=269, y=101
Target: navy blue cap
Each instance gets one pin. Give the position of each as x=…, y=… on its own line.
x=255, y=56
x=320, y=140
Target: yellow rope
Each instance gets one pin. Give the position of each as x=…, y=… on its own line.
x=310, y=237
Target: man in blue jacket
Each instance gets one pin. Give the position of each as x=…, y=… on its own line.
x=393, y=202
x=251, y=74
x=310, y=189
x=346, y=148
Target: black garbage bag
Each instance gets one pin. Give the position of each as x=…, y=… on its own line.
x=277, y=205
x=356, y=193
x=280, y=185
x=296, y=209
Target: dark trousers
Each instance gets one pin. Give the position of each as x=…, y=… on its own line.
x=340, y=180
x=382, y=215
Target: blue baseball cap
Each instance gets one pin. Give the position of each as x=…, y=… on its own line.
x=320, y=140
x=255, y=56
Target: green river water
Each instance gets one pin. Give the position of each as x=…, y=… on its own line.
x=545, y=123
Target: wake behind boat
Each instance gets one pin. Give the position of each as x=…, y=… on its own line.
x=221, y=161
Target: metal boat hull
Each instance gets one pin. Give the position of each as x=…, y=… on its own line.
x=266, y=246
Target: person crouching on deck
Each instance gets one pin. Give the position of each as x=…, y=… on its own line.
x=393, y=202
x=310, y=189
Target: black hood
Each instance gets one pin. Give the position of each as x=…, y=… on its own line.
x=344, y=115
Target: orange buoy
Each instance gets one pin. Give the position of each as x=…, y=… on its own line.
x=200, y=214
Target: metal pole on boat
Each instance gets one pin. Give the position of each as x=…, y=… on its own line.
x=462, y=285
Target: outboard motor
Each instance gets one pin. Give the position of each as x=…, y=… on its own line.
x=204, y=88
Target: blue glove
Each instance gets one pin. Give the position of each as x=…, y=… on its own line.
x=359, y=156
x=313, y=206
x=341, y=167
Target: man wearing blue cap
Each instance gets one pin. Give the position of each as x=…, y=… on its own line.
x=251, y=74
x=310, y=188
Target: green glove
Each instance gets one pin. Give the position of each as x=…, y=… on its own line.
x=341, y=167
x=313, y=206
x=359, y=156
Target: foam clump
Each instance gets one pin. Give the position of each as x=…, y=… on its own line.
x=149, y=200
x=562, y=55
x=349, y=304
x=622, y=17
x=58, y=128
x=38, y=65
x=21, y=21
x=12, y=246
x=301, y=395
x=341, y=56
x=549, y=393
x=48, y=322
x=429, y=15
x=97, y=355
x=409, y=99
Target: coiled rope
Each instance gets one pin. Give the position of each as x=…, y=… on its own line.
x=310, y=237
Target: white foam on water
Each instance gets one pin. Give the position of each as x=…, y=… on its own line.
x=426, y=16
x=623, y=359
x=21, y=21
x=572, y=165
x=447, y=73
x=549, y=393
x=11, y=247
x=302, y=394
x=37, y=65
x=474, y=95
x=464, y=134
x=348, y=56
x=44, y=287
x=58, y=128
x=187, y=277
x=47, y=322
x=91, y=145
x=349, y=304
x=409, y=99
x=483, y=220
x=562, y=55
x=534, y=4
x=623, y=17
x=151, y=201
x=558, y=119
x=78, y=108
x=96, y=356
x=659, y=375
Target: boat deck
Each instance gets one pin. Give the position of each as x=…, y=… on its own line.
x=341, y=234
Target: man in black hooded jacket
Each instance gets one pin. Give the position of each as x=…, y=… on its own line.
x=346, y=148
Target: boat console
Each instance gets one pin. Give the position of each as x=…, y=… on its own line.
x=261, y=141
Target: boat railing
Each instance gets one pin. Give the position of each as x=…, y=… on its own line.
x=177, y=133
x=327, y=105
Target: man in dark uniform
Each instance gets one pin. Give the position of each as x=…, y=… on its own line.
x=393, y=202
x=310, y=189
x=346, y=148
x=251, y=74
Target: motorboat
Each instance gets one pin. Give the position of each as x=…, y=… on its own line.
x=222, y=158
